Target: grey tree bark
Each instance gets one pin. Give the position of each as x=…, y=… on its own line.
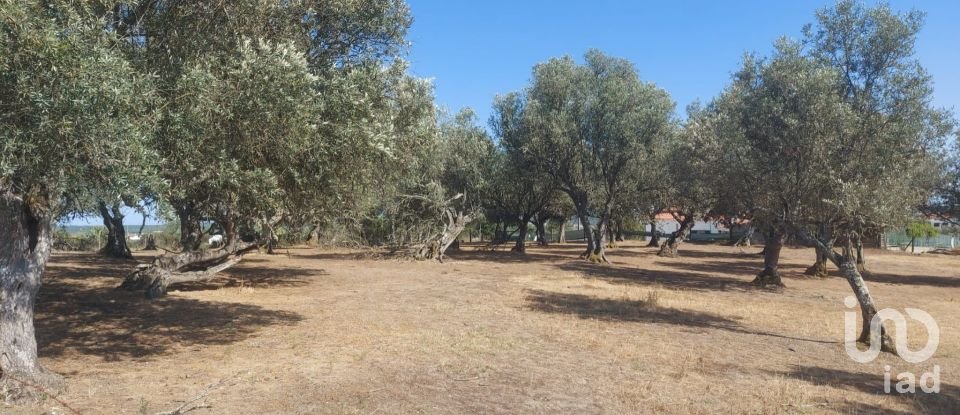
x=116, y=246
x=819, y=267
x=654, y=235
x=541, y=225
x=868, y=309
x=436, y=247
x=770, y=276
x=671, y=247
x=25, y=243
x=165, y=270
x=190, y=231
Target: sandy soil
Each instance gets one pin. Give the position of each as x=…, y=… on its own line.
x=332, y=331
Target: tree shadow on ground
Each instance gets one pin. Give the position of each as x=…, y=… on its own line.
x=747, y=268
x=606, y=309
x=672, y=279
x=728, y=252
x=509, y=257
x=117, y=325
x=928, y=280
x=945, y=402
x=79, y=310
x=638, y=311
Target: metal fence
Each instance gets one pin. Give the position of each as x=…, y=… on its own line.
x=901, y=240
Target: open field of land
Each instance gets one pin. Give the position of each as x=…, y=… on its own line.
x=343, y=332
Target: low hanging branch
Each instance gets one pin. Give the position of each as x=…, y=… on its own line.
x=175, y=268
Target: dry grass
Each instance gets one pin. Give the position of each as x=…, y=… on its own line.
x=489, y=332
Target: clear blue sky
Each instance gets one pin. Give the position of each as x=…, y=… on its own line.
x=475, y=50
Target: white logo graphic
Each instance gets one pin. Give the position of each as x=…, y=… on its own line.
x=907, y=381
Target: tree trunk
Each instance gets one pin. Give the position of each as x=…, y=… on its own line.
x=610, y=237
x=861, y=260
x=746, y=239
x=654, y=235
x=25, y=243
x=819, y=267
x=166, y=270
x=671, y=247
x=542, y=232
x=587, y=231
x=597, y=252
x=116, y=246
x=521, y=244
x=190, y=231
x=848, y=268
x=436, y=247
x=313, y=236
x=150, y=243
x=771, y=260
x=594, y=238
x=562, y=233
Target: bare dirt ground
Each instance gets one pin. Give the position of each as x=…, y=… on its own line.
x=334, y=331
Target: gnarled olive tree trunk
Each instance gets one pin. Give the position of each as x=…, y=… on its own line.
x=25, y=243
x=190, y=230
x=861, y=259
x=541, y=224
x=595, y=238
x=521, y=245
x=669, y=249
x=169, y=269
x=847, y=265
x=654, y=235
x=771, y=260
x=436, y=247
x=116, y=246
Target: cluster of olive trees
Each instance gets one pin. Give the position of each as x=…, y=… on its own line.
x=239, y=114
x=830, y=140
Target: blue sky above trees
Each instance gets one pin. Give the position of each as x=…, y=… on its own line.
x=475, y=50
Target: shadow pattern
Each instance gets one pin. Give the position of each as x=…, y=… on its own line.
x=946, y=402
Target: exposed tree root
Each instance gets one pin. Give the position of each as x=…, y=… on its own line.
x=818, y=270
x=668, y=251
x=768, y=279
x=597, y=258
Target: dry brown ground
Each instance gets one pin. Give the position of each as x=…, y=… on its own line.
x=320, y=331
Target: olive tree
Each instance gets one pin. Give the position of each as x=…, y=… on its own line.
x=837, y=138
x=518, y=188
x=238, y=106
x=589, y=126
x=76, y=119
x=888, y=92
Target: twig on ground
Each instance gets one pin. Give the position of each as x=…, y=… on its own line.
x=191, y=404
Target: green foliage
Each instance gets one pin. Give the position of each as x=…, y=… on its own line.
x=76, y=116
x=921, y=229
x=837, y=131
x=594, y=129
x=447, y=172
